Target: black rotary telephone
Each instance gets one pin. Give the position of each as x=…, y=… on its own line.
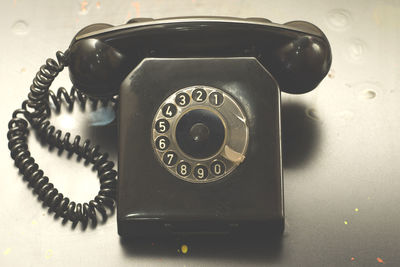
x=198, y=121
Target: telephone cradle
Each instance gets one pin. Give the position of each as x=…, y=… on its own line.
x=198, y=109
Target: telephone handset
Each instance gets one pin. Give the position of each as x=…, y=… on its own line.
x=198, y=120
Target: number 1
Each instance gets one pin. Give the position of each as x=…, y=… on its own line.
x=216, y=99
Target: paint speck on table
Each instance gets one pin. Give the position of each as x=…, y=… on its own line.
x=7, y=251
x=380, y=260
x=129, y=15
x=184, y=249
x=331, y=74
x=136, y=5
x=352, y=259
x=346, y=222
x=84, y=5
x=34, y=222
x=98, y=5
x=49, y=254
x=356, y=209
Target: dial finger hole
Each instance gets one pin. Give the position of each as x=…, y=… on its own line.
x=216, y=98
x=162, y=126
x=200, y=172
x=182, y=99
x=183, y=169
x=162, y=143
x=169, y=110
x=218, y=168
x=199, y=95
x=170, y=158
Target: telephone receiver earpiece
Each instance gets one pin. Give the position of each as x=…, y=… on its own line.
x=98, y=68
x=297, y=53
x=303, y=62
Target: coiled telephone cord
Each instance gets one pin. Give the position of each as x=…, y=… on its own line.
x=36, y=110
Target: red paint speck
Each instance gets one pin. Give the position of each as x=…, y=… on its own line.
x=352, y=259
x=129, y=15
x=380, y=260
x=84, y=5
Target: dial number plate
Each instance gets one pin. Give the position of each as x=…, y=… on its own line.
x=229, y=154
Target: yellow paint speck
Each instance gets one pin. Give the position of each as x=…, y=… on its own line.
x=346, y=222
x=34, y=222
x=184, y=249
x=356, y=209
x=49, y=253
x=7, y=251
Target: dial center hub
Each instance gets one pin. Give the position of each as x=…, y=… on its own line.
x=200, y=133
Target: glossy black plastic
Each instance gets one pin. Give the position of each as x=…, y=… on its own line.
x=200, y=133
x=151, y=201
x=297, y=53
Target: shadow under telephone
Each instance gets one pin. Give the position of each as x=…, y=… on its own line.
x=199, y=133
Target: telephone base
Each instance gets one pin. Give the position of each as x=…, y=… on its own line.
x=152, y=201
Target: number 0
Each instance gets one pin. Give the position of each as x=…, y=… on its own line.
x=217, y=169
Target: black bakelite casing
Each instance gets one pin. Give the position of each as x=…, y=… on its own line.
x=151, y=201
